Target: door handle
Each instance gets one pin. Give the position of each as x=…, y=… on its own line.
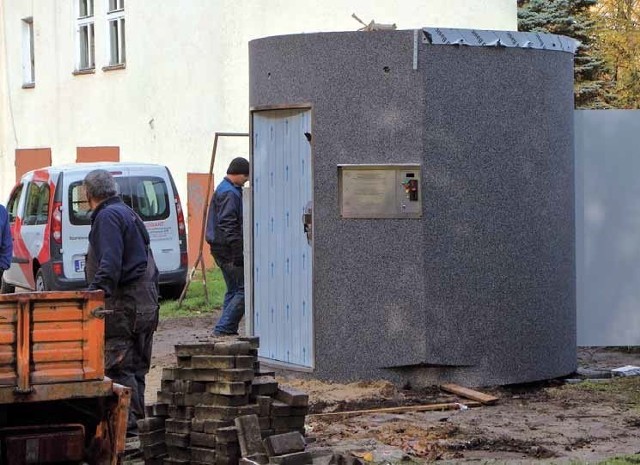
x=307, y=221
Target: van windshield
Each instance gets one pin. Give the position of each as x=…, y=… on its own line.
x=147, y=195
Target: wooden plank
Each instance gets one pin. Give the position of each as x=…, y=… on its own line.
x=407, y=409
x=53, y=314
x=50, y=392
x=58, y=332
x=53, y=355
x=8, y=315
x=472, y=394
x=7, y=337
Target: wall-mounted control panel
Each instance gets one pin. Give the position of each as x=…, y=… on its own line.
x=380, y=191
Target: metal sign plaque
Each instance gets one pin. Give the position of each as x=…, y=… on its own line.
x=380, y=191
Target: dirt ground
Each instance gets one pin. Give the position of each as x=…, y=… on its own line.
x=550, y=422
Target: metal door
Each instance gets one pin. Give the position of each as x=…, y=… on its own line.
x=282, y=235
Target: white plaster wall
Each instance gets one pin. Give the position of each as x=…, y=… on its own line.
x=186, y=74
x=4, y=162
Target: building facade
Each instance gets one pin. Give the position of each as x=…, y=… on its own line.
x=153, y=81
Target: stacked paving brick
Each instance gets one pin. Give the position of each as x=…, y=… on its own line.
x=152, y=434
x=287, y=449
x=213, y=384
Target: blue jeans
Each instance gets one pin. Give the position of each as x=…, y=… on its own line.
x=233, y=306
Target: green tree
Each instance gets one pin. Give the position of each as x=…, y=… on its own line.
x=573, y=18
x=618, y=34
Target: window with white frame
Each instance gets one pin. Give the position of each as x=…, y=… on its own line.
x=85, y=43
x=115, y=26
x=28, y=57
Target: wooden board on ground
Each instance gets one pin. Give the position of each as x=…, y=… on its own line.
x=472, y=394
x=407, y=409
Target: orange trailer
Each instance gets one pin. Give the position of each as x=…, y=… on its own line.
x=56, y=405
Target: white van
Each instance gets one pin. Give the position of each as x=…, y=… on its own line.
x=50, y=222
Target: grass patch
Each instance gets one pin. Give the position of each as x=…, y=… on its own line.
x=618, y=385
x=624, y=390
x=194, y=302
x=624, y=460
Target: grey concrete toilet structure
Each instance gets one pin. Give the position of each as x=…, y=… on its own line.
x=412, y=205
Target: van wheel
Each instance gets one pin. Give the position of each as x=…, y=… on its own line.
x=6, y=288
x=41, y=283
x=171, y=291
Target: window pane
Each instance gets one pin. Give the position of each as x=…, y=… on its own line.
x=147, y=195
x=37, y=204
x=84, y=47
x=115, y=5
x=12, y=206
x=79, y=213
x=113, y=42
x=31, y=74
x=43, y=204
x=123, y=48
x=31, y=209
x=92, y=47
x=151, y=199
x=85, y=8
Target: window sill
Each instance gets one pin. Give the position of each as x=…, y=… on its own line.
x=29, y=85
x=114, y=67
x=79, y=72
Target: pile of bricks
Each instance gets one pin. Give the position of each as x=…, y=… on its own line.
x=214, y=383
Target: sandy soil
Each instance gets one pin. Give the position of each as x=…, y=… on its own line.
x=550, y=422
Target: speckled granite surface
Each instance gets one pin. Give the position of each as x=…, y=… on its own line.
x=481, y=289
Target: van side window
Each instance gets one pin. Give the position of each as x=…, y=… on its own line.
x=37, y=207
x=79, y=212
x=14, y=201
x=151, y=199
x=147, y=195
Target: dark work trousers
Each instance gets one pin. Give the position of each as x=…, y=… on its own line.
x=233, y=306
x=129, y=333
x=127, y=362
x=129, y=339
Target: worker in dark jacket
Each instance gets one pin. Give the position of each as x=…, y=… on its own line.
x=120, y=262
x=6, y=245
x=224, y=236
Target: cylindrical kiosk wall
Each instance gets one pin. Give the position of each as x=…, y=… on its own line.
x=481, y=288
